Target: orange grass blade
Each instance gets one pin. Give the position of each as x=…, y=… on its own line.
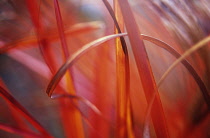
x=183, y=56
x=123, y=76
x=50, y=90
x=101, y=91
x=64, y=45
x=129, y=119
x=144, y=70
x=86, y=102
x=29, y=40
x=122, y=70
x=18, y=131
x=15, y=104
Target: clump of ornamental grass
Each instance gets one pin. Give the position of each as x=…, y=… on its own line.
x=104, y=68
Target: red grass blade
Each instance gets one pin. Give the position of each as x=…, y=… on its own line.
x=144, y=69
x=34, y=11
x=60, y=29
x=73, y=116
x=15, y=104
x=19, y=131
x=18, y=119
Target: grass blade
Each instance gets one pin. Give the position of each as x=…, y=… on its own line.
x=73, y=116
x=52, y=36
x=19, y=131
x=17, y=118
x=71, y=60
x=15, y=104
x=187, y=65
x=187, y=53
x=124, y=123
x=144, y=69
x=167, y=47
x=85, y=101
x=60, y=29
x=34, y=11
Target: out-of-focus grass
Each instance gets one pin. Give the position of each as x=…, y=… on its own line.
x=110, y=86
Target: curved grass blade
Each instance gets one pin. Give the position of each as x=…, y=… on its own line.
x=187, y=53
x=184, y=62
x=19, y=131
x=15, y=104
x=43, y=71
x=95, y=43
x=34, y=65
x=71, y=60
x=70, y=115
x=85, y=101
